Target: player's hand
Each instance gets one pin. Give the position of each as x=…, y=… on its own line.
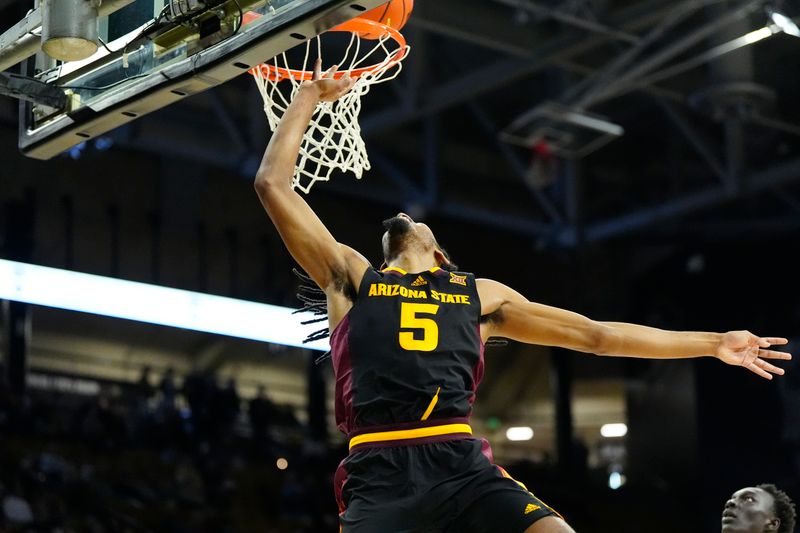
x=742, y=348
x=329, y=88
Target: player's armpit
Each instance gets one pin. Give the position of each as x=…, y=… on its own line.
x=506, y=313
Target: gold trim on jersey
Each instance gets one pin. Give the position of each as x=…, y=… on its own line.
x=406, y=434
x=431, y=405
x=403, y=272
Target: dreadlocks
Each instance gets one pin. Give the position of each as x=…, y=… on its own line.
x=314, y=302
x=784, y=507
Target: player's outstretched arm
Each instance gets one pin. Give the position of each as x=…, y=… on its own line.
x=304, y=234
x=509, y=314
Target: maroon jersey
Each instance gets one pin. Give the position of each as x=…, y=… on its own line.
x=408, y=350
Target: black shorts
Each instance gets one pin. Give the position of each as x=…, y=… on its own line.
x=440, y=487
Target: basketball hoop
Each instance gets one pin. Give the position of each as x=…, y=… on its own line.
x=333, y=139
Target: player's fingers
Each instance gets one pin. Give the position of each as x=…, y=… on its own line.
x=756, y=370
x=774, y=354
x=331, y=71
x=769, y=367
x=317, y=69
x=348, y=84
x=776, y=340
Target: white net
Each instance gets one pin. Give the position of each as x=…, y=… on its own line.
x=333, y=140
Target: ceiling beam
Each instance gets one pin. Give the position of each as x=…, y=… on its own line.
x=570, y=19
x=774, y=176
x=486, y=24
x=543, y=49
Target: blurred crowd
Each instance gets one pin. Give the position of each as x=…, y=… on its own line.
x=153, y=456
x=187, y=454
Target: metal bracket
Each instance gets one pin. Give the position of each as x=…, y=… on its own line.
x=32, y=90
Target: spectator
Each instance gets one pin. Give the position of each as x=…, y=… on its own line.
x=168, y=390
x=229, y=400
x=194, y=390
x=260, y=412
x=143, y=386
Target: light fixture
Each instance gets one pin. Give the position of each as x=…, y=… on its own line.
x=69, y=29
x=783, y=22
x=755, y=36
x=616, y=480
x=282, y=463
x=519, y=433
x=99, y=295
x=614, y=430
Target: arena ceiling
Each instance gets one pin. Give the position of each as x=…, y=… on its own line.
x=702, y=129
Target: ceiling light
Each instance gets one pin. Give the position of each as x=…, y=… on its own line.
x=99, y=295
x=756, y=35
x=614, y=430
x=616, y=480
x=786, y=24
x=519, y=433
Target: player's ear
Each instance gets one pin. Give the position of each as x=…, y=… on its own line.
x=441, y=259
x=773, y=525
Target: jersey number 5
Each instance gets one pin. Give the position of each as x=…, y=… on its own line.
x=410, y=319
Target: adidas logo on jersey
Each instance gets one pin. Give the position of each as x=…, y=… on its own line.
x=531, y=508
x=419, y=281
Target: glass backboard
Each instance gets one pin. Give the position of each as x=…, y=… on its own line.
x=157, y=52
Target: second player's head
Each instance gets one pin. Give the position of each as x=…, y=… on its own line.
x=403, y=236
x=760, y=509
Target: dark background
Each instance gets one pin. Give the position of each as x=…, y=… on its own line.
x=689, y=221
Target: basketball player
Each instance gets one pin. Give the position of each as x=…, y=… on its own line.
x=760, y=509
x=407, y=346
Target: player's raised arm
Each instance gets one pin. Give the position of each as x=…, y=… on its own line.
x=509, y=314
x=307, y=239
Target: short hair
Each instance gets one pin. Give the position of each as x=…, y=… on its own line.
x=784, y=507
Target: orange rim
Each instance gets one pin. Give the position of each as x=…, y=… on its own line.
x=356, y=25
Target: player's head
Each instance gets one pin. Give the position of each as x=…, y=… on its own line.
x=759, y=509
x=403, y=235
x=784, y=507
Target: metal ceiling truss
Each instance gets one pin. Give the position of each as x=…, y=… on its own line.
x=557, y=218
x=622, y=75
